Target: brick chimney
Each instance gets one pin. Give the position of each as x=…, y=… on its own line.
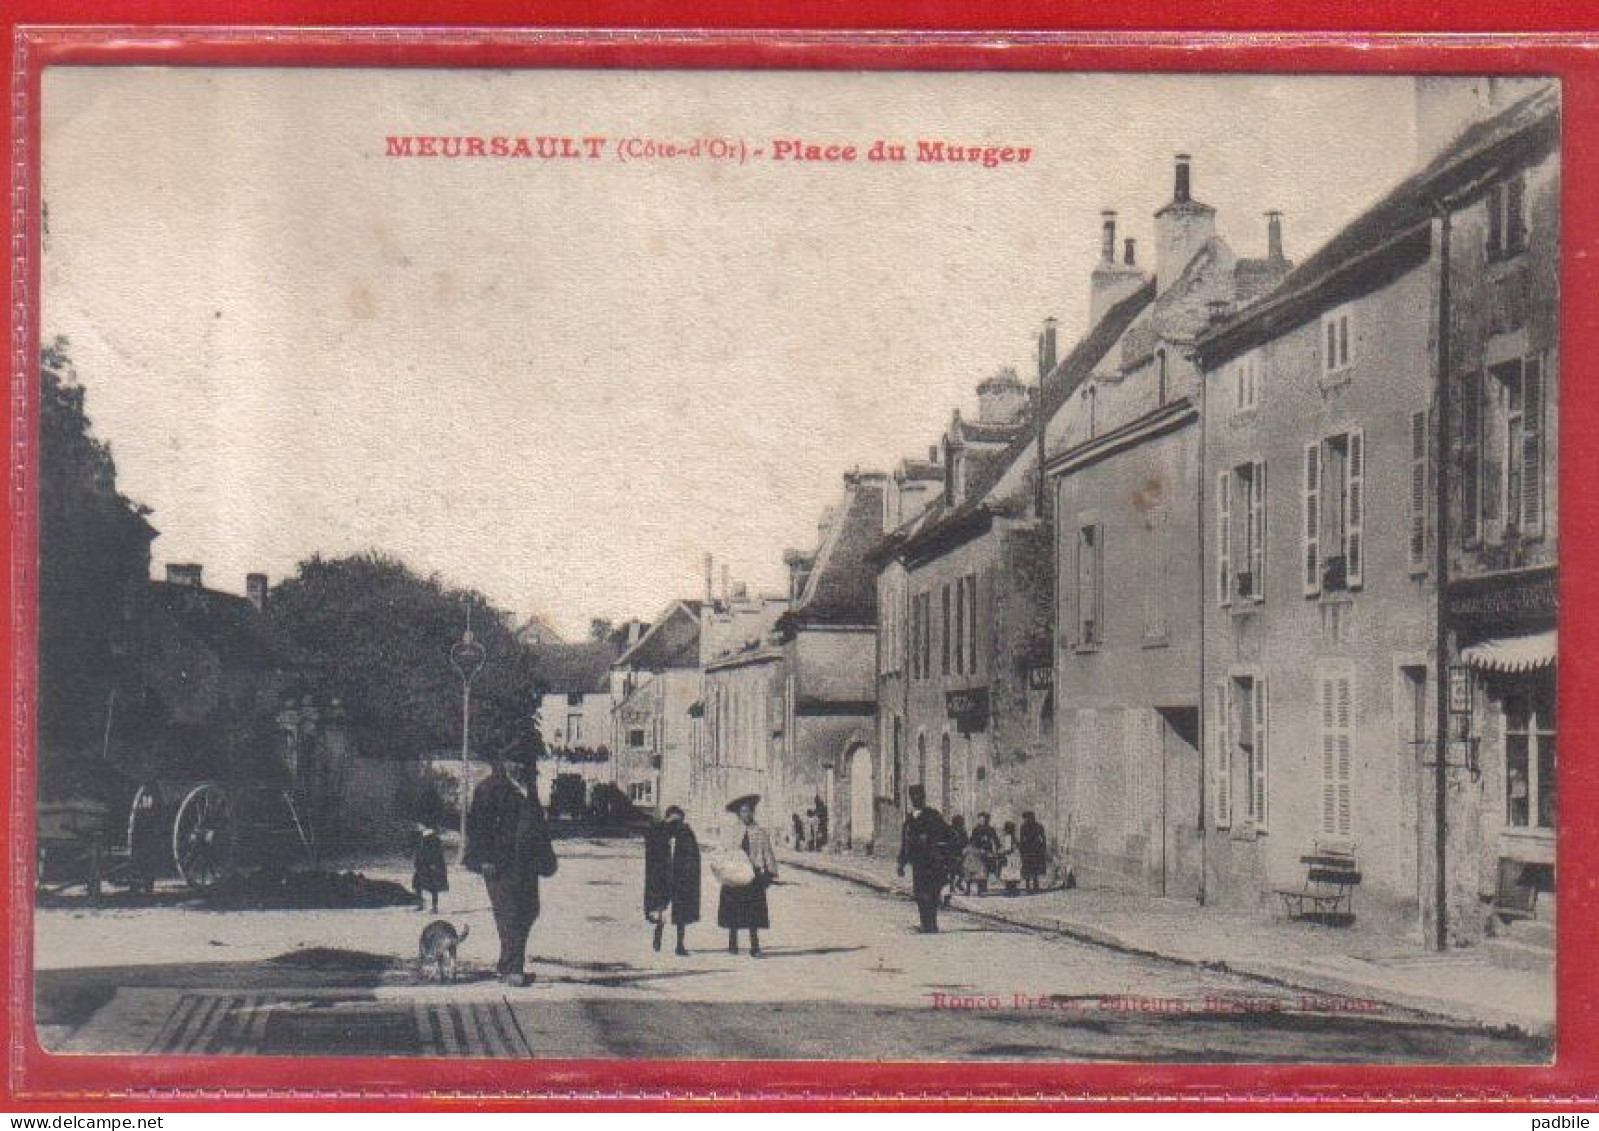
x=185, y=573
x=1274, y=236
x=1182, y=227
x=255, y=588
x=1048, y=344
x=1111, y=281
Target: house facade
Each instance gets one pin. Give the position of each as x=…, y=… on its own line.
x=657, y=681
x=1125, y=467
x=1320, y=594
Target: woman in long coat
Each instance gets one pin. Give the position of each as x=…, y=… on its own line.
x=671, y=875
x=743, y=907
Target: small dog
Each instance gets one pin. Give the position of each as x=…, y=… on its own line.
x=435, y=950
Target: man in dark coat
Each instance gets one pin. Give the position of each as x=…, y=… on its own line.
x=1035, y=850
x=671, y=875
x=924, y=845
x=508, y=844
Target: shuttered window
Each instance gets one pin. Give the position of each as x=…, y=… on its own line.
x=1355, y=508
x=1532, y=447
x=1420, y=433
x=1311, y=529
x=1337, y=710
x=1221, y=771
x=1224, y=537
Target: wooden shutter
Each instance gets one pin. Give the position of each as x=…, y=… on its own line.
x=1224, y=537
x=1221, y=776
x=1491, y=426
x=1532, y=401
x=1257, y=563
x=1418, y=490
x=1355, y=508
x=1515, y=215
x=1261, y=755
x=1310, y=556
x=1470, y=448
x=1337, y=753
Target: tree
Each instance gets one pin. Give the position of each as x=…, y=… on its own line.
x=94, y=566
x=369, y=631
x=600, y=629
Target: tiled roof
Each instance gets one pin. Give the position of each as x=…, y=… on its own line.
x=842, y=587
x=673, y=641
x=1522, y=130
x=942, y=522
x=569, y=669
x=227, y=624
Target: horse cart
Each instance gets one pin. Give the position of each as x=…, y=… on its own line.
x=202, y=832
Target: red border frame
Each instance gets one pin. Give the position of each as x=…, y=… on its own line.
x=35, y=1079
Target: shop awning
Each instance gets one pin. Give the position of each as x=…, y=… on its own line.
x=1513, y=653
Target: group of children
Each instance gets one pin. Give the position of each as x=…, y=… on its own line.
x=1015, y=857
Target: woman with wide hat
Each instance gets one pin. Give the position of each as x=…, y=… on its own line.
x=743, y=902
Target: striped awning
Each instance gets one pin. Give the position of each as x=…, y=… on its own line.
x=1513, y=653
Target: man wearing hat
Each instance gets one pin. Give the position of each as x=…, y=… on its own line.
x=508, y=844
x=924, y=845
x=742, y=906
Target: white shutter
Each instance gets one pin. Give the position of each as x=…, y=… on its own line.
x=1329, y=757
x=1310, y=556
x=1355, y=509
x=1257, y=563
x=1224, y=537
x=1346, y=733
x=1418, y=491
x=1262, y=755
x=1221, y=777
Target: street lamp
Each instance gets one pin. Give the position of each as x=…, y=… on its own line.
x=466, y=657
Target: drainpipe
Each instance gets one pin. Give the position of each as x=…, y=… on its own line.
x=1203, y=474
x=1440, y=779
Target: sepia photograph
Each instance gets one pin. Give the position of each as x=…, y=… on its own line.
x=780, y=565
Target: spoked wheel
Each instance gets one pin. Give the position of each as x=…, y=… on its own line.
x=202, y=837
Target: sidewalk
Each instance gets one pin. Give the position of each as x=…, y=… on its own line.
x=1467, y=986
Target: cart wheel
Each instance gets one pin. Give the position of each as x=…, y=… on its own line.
x=202, y=837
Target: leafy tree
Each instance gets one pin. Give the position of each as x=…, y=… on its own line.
x=600, y=629
x=369, y=631
x=94, y=564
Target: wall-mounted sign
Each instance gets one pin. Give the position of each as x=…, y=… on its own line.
x=1041, y=679
x=969, y=709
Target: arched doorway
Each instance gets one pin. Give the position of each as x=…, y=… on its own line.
x=860, y=797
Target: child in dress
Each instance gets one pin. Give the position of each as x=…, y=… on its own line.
x=431, y=876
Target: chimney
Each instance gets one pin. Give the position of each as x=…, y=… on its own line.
x=1131, y=260
x=1182, y=227
x=710, y=581
x=1274, y=236
x=1181, y=192
x=187, y=573
x=932, y=453
x=727, y=586
x=1002, y=398
x=1047, y=344
x=1111, y=281
x=255, y=588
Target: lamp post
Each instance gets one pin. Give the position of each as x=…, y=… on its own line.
x=466, y=657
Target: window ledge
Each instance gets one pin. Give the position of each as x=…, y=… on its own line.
x=1157, y=641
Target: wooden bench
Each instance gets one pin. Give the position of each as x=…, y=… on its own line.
x=1328, y=896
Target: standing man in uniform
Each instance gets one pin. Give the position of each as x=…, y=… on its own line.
x=508, y=844
x=924, y=845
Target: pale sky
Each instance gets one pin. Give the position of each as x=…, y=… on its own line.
x=563, y=383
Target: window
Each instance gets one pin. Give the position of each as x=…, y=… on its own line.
x=574, y=698
x=1246, y=383
x=635, y=737
x=642, y=791
x=898, y=758
x=971, y=623
x=574, y=729
x=1157, y=565
x=1530, y=755
x=960, y=626
x=1337, y=349
x=1160, y=379
x=943, y=638
x=1241, y=533
x=1337, y=711
x=1091, y=397
x=1239, y=747
x=1507, y=218
x=1420, y=444
x=1090, y=564
x=945, y=777
x=927, y=634
x=1503, y=443
x=921, y=760
x=1334, y=504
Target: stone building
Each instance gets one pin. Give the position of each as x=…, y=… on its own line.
x=659, y=683
x=1320, y=594
x=1124, y=461
x=788, y=710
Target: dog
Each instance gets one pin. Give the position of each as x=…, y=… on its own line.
x=435, y=950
